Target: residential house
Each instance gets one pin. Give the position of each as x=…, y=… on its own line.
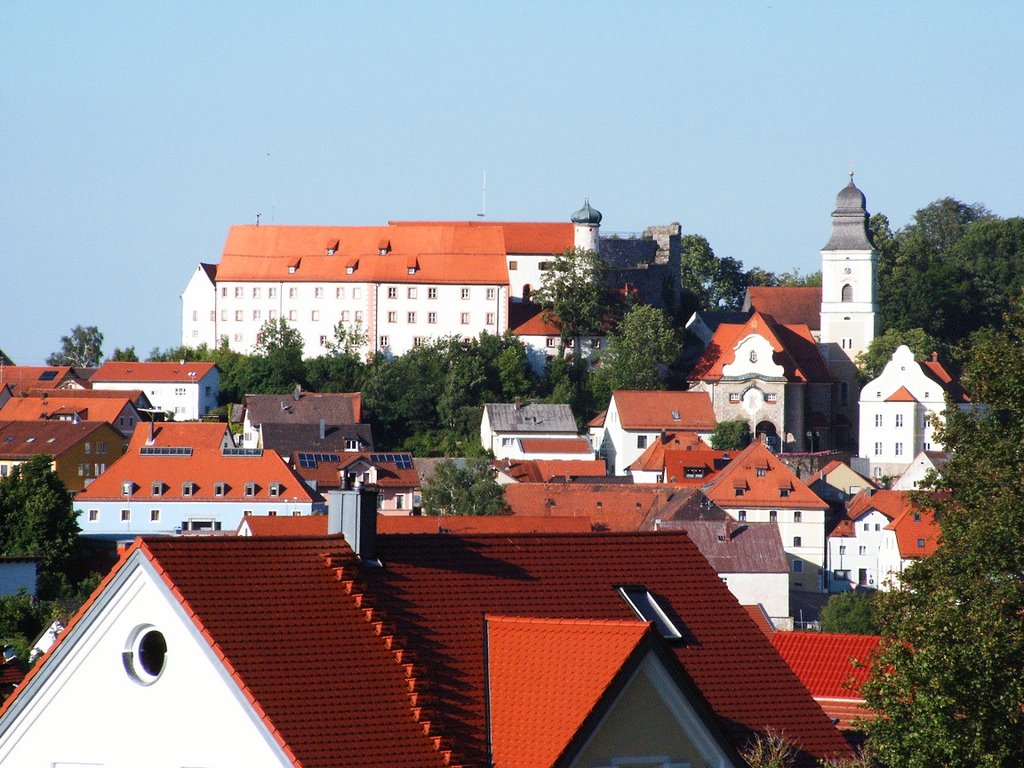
x=677, y=458
x=544, y=470
x=914, y=477
x=636, y=418
x=321, y=411
x=863, y=550
x=756, y=487
x=912, y=535
x=186, y=391
x=504, y=425
x=181, y=477
x=22, y=378
x=80, y=452
x=834, y=668
x=541, y=335
x=392, y=475
x=900, y=410
x=837, y=483
x=122, y=410
x=630, y=644
x=771, y=376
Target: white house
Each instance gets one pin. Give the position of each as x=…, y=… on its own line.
x=924, y=463
x=635, y=419
x=187, y=391
x=900, y=408
x=504, y=425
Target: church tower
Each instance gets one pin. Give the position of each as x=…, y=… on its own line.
x=849, y=301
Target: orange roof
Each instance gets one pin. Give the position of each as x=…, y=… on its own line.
x=181, y=433
x=934, y=370
x=113, y=371
x=538, y=702
x=290, y=525
x=556, y=445
x=795, y=349
x=833, y=667
x=890, y=503
x=25, y=439
x=917, y=533
x=474, y=524
x=761, y=618
x=901, y=395
x=765, y=481
x=446, y=252
x=543, y=470
x=521, y=237
x=25, y=377
x=653, y=459
x=528, y=319
x=106, y=409
x=656, y=410
x=790, y=305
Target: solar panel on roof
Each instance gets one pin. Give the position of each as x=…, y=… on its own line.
x=48, y=376
x=401, y=460
x=242, y=452
x=165, y=450
x=312, y=460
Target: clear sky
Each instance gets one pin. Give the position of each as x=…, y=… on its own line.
x=133, y=134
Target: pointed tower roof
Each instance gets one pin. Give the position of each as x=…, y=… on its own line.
x=586, y=214
x=850, y=221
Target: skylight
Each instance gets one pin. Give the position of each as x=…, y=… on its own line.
x=648, y=608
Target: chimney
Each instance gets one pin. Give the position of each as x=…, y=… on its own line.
x=353, y=513
x=517, y=404
x=323, y=428
x=297, y=392
x=935, y=357
x=151, y=436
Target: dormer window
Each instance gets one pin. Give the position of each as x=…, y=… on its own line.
x=761, y=471
x=649, y=608
x=158, y=489
x=250, y=488
x=127, y=488
x=187, y=489
x=383, y=247
x=293, y=265
x=220, y=489
x=412, y=265
x=275, y=490
x=332, y=247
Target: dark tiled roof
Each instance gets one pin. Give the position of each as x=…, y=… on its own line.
x=732, y=547
x=334, y=409
x=289, y=438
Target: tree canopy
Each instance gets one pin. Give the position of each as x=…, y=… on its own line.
x=850, y=612
x=949, y=681
x=82, y=348
x=873, y=359
x=572, y=290
x=730, y=435
x=639, y=351
x=464, y=488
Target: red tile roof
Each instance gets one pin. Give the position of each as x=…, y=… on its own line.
x=291, y=525
x=538, y=702
x=676, y=411
x=106, y=409
x=187, y=373
x=934, y=370
x=917, y=533
x=521, y=237
x=446, y=252
x=761, y=619
x=763, y=478
x=795, y=350
x=653, y=459
x=556, y=445
x=21, y=440
x=833, y=667
x=901, y=395
x=23, y=378
x=476, y=524
x=890, y=503
x=544, y=470
x=796, y=305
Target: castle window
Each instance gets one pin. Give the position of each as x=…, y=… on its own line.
x=847, y=292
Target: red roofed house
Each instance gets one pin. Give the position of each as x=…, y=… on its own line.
x=864, y=548
x=504, y=427
x=179, y=477
x=757, y=487
x=833, y=667
x=900, y=409
x=80, y=452
x=392, y=475
x=520, y=650
x=545, y=470
x=837, y=483
x=636, y=418
x=771, y=376
x=22, y=378
x=119, y=409
x=187, y=391
x=677, y=458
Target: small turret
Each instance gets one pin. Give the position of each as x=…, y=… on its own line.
x=586, y=225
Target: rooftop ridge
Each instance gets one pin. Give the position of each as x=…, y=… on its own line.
x=347, y=574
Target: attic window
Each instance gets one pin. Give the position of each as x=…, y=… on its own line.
x=740, y=490
x=293, y=266
x=783, y=492
x=384, y=247
x=412, y=265
x=187, y=488
x=145, y=654
x=761, y=471
x=332, y=247
x=648, y=608
x=675, y=415
x=220, y=489
x=127, y=488
x=920, y=543
x=275, y=490
x=352, y=266
x=158, y=488
x=917, y=517
x=694, y=472
x=250, y=488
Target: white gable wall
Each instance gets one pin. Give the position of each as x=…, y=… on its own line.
x=82, y=707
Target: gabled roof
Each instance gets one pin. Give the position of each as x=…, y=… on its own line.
x=890, y=503
x=835, y=466
x=278, y=525
x=478, y=524
x=528, y=319
x=934, y=370
x=794, y=349
x=648, y=411
x=556, y=445
x=309, y=408
x=393, y=470
x=917, y=533
x=833, y=667
x=531, y=417
x=653, y=459
x=538, y=238
x=22, y=378
x=901, y=395
x=199, y=434
x=289, y=438
x=732, y=547
x=68, y=404
x=181, y=373
x=763, y=478
x=537, y=702
x=21, y=440
x=443, y=252
x=788, y=305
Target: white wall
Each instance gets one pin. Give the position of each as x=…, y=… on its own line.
x=174, y=514
x=771, y=590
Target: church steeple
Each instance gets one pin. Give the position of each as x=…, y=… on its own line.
x=850, y=221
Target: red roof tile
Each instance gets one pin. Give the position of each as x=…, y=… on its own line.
x=901, y=395
x=543, y=470
x=917, y=533
x=537, y=701
x=555, y=445
x=291, y=525
x=113, y=371
x=25, y=439
x=23, y=378
x=796, y=305
x=889, y=503
x=764, y=478
x=934, y=370
x=676, y=411
x=475, y=524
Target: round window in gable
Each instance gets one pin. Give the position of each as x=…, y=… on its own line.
x=145, y=654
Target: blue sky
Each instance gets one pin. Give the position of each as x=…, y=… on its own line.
x=133, y=134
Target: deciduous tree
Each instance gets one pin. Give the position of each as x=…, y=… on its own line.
x=464, y=488
x=639, y=351
x=82, y=348
x=572, y=290
x=730, y=435
x=873, y=359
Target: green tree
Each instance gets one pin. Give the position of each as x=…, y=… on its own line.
x=572, y=292
x=126, y=355
x=276, y=363
x=464, y=488
x=731, y=435
x=82, y=348
x=873, y=359
x=851, y=612
x=200, y=354
x=948, y=683
x=709, y=282
x=37, y=520
x=639, y=351
x=794, y=279
x=342, y=368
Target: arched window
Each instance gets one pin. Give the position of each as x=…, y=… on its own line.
x=753, y=355
x=847, y=292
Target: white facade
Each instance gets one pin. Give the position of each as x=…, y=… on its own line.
x=854, y=561
x=186, y=400
x=166, y=721
x=897, y=425
x=620, y=447
x=769, y=590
